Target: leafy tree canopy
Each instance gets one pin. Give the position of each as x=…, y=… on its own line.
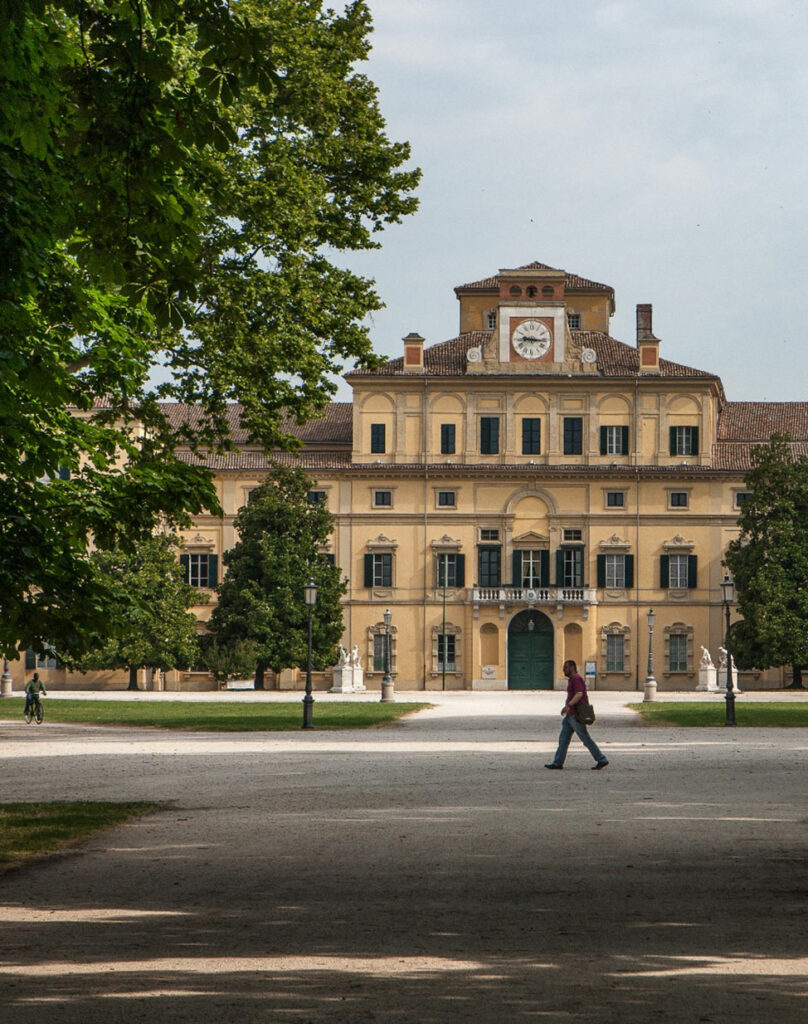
x=261, y=597
x=769, y=560
x=148, y=621
x=173, y=177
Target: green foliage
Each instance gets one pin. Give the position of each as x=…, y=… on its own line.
x=261, y=597
x=769, y=560
x=171, y=175
x=148, y=622
x=235, y=659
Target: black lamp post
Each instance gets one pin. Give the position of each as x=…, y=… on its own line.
x=387, y=679
x=310, y=597
x=728, y=596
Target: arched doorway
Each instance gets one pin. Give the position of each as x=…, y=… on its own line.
x=530, y=651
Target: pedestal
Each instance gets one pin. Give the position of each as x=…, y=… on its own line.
x=343, y=679
x=707, y=679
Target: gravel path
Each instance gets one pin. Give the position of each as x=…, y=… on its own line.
x=431, y=871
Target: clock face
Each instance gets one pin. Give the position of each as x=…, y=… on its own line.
x=532, y=339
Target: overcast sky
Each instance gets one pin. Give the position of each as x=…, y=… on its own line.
x=658, y=146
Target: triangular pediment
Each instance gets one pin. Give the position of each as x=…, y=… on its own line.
x=531, y=537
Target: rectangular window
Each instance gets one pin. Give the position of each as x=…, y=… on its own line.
x=490, y=566
x=684, y=441
x=446, y=651
x=741, y=497
x=447, y=570
x=531, y=569
x=568, y=535
x=447, y=438
x=616, y=571
x=574, y=321
x=573, y=435
x=199, y=570
x=377, y=438
x=678, y=652
x=489, y=435
x=447, y=499
x=531, y=436
x=678, y=499
x=379, y=646
x=488, y=534
x=615, y=652
x=573, y=567
x=316, y=497
x=383, y=570
x=615, y=499
x=614, y=440
x=382, y=499
x=677, y=571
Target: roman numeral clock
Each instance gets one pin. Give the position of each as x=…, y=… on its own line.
x=531, y=339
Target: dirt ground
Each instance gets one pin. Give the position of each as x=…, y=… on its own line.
x=432, y=871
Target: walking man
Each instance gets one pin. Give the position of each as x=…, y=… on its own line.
x=576, y=694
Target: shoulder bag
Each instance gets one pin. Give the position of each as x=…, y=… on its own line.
x=585, y=713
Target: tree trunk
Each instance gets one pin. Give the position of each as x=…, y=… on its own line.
x=132, y=678
x=260, y=669
x=796, y=681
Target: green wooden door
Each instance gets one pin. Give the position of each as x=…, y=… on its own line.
x=530, y=652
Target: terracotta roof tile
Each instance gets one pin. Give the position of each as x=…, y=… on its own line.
x=757, y=421
x=448, y=358
x=574, y=281
x=334, y=427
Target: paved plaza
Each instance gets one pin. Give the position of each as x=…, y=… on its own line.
x=431, y=871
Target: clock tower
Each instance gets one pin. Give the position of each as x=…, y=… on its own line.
x=531, y=319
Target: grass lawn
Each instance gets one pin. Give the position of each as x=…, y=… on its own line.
x=776, y=714
x=30, y=830
x=233, y=716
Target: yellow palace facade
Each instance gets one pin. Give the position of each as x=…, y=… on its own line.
x=524, y=493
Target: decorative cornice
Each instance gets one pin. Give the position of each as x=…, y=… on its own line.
x=615, y=543
x=382, y=542
x=446, y=542
x=678, y=544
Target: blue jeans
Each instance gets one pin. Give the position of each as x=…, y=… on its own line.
x=571, y=725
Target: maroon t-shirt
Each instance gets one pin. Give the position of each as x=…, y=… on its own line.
x=575, y=684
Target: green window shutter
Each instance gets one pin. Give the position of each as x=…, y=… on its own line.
x=517, y=568
x=604, y=440
x=30, y=659
x=368, y=570
x=692, y=571
x=624, y=445
x=672, y=435
x=185, y=562
x=664, y=574
x=629, y=571
x=695, y=432
x=544, y=568
x=560, y=567
x=213, y=570
x=461, y=571
x=601, y=570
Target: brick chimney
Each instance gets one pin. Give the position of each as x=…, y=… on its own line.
x=413, y=352
x=647, y=344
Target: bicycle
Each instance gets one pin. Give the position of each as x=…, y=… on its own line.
x=34, y=711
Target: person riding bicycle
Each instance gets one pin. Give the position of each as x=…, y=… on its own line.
x=33, y=689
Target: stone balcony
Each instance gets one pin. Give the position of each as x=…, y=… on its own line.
x=532, y=597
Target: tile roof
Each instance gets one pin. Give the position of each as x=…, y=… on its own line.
x=334, y=427
x=757, y=421
x=254, y=459
x=448, y=358
x=574, y=281
x=737, y=455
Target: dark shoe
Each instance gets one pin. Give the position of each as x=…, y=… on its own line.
x=597, y=767
x=558, y=767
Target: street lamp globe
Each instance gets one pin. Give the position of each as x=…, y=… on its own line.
x=727, y=589
x=310, y=593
